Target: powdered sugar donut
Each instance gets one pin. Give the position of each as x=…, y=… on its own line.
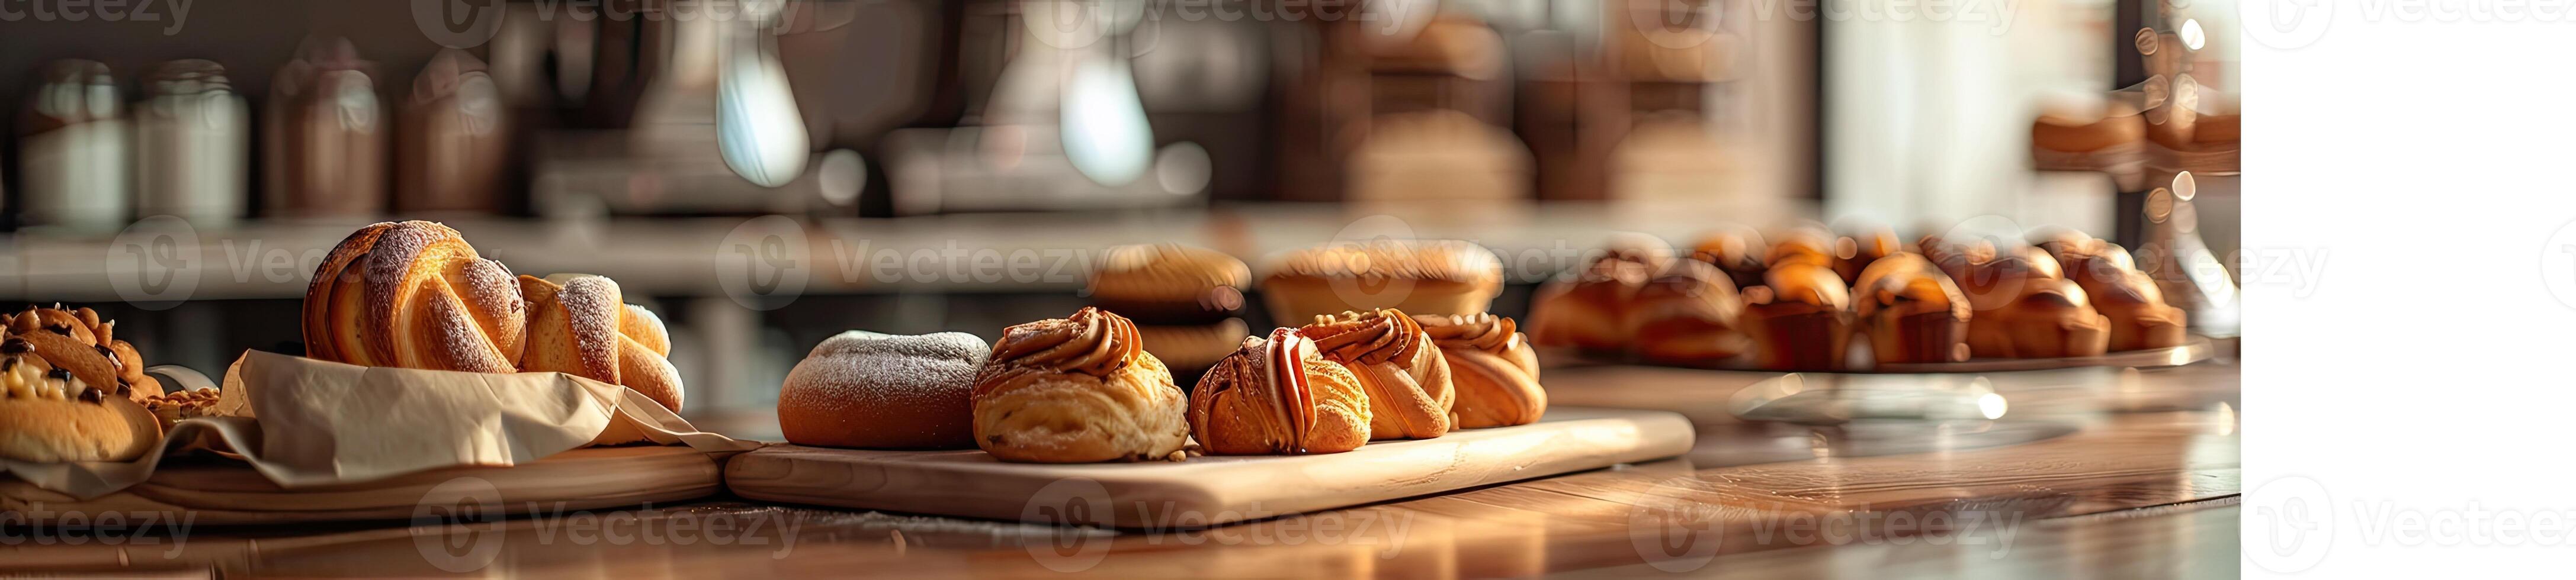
x=884, y=391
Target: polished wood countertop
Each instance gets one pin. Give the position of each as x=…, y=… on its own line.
x=2091, y=470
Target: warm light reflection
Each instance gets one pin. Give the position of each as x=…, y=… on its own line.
x=1991, y=405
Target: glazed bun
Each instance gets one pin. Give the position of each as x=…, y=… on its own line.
x=1588, y=309
x=884, y=391
x=1737, y=250
x=1687, y=315
x=1407, y=381
x=2022, y=307
x=1911, y=311
x=1800, y=319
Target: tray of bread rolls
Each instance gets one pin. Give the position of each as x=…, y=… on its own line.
x=1808, y=299
x=1078, y=420
x=430, y=375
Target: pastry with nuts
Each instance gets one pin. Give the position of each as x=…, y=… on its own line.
x=51, y=413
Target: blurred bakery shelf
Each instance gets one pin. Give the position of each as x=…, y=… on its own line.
x=166, y=259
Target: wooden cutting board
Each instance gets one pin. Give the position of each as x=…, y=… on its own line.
x=1204, y=491
x=221, y=493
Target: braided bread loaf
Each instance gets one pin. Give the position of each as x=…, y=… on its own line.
x=413, y=295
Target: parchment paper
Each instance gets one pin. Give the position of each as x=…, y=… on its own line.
x=303, y=422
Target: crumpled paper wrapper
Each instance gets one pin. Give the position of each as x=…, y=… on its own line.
x=303, y=422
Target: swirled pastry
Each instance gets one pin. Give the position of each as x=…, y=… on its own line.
x=1493, y=367
x=1911, y=311
x=414, y=295
x=1406, y=379
x=1077, y=390
x=1278, y=396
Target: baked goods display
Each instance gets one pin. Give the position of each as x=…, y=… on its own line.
x=1277, y=395
x=1911, y=312
x=581, y=325
x=2024, y=307
x=883, y=391
x=1418, y=276
x=1078, y=389
x=1736, y=249
x=1491, y=366
x=2135, y=305
x=1799, y=319
x=50, y=413
x=1868, y=243
x=415, y=295
x=1185, y=301
x=1687, y=316
x=1407, y=381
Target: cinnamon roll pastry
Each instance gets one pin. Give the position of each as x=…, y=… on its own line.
x=1493, y=367
x=1800, y=319
x=1911, y=311
x=1588, y=309
x=2023, y=307
x=1427, y=276
x=414, y=295
x=1279, y=396
x=1078, y=389
x=1407, y=381
x=1688, y=316
x=79, y=343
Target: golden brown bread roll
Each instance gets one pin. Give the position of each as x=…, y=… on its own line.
x=1800, y=319
x=1955, y=257
x=1425, y=276
x=2022, y=307
x=1170, y=284
x=78, y=342
x=1493, y=367
x=883, y=391
x=1588, y=309
x=1911, y=311
x=1402, y=372
x=1190, y=350
x=1687, y=315
x=49, y=414
x=413, y=295
x=2131, y=300
x=1801, y=245
x=580, y=324
x=1278, y=396
x=1866, y=244
x=1737, y=250
x=1078, y=389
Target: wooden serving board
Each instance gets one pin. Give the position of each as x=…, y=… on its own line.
x=222, y=493
x=1210, y=490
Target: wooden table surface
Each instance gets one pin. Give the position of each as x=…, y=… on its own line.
x=2091, y=471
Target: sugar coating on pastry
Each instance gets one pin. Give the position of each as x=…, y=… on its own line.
x=875, y=390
